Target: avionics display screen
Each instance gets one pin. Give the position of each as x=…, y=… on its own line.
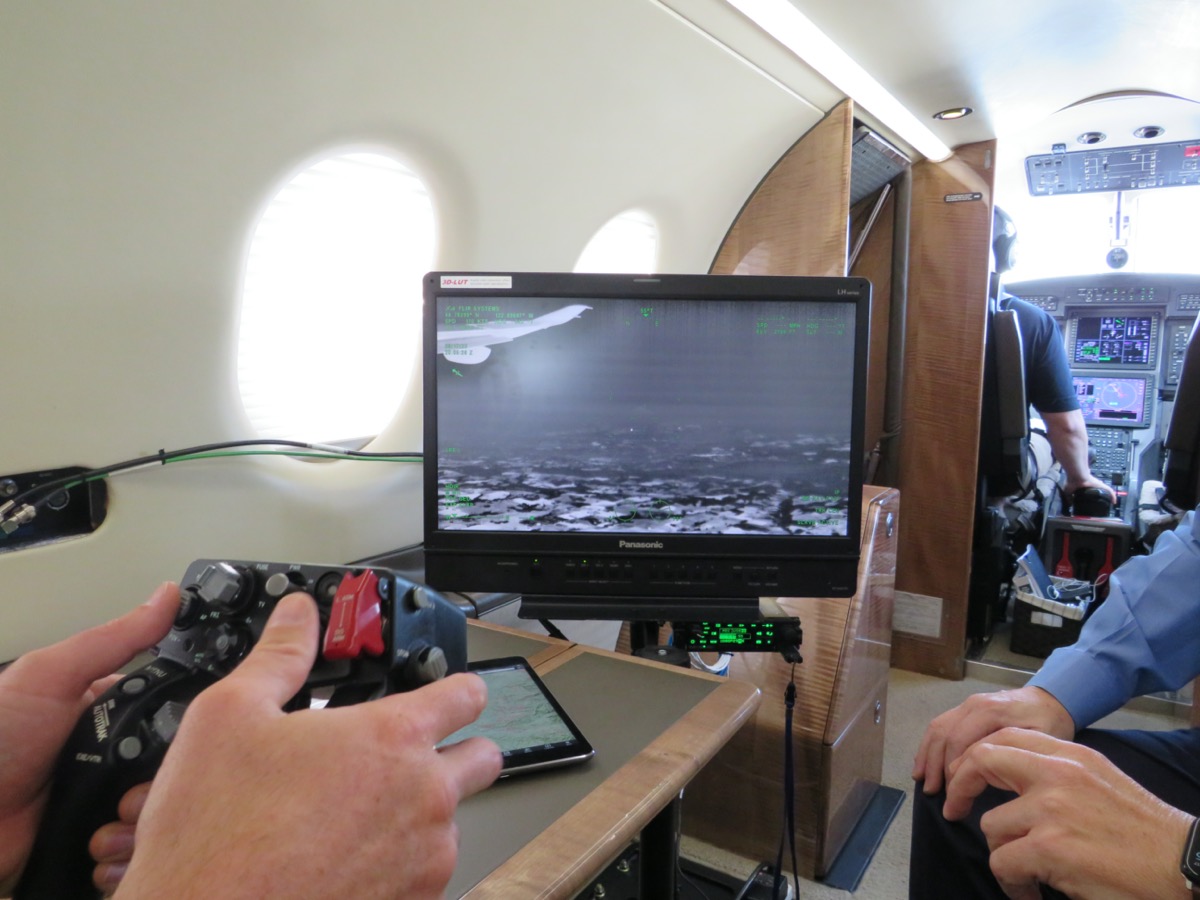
x=1117, y=340
x=1113, y=400
x=661, y=436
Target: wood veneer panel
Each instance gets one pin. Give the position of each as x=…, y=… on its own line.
x=795, y=221
x=737, y=801
x=939, y=442
x=874, y=263
x=865, y=655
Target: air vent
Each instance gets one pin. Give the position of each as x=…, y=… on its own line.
x=873, y=163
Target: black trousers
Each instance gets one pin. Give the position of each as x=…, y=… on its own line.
x=950, y=859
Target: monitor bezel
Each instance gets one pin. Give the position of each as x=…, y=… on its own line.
x=475, y=561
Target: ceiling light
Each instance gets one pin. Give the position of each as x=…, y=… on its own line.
x=1149, y=131
x=1091, y=137
x=955, y=112
x=792, y=28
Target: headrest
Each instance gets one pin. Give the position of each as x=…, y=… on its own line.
x=1004, y=240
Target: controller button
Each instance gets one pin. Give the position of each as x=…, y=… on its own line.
x=277, y=585
x=431, y=665
x=283, y=583
x=129, y=748
x=134, y=685
x=420, y=597
x=355, y=621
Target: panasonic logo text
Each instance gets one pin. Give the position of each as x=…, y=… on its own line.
x=640, y=545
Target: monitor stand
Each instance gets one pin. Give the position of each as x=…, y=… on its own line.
x=632, y=609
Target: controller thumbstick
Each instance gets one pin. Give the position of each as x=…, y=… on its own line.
x=429, y=665
x=224, y=642
x=227, y=587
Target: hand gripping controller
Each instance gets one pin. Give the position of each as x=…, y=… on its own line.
x=380, y=634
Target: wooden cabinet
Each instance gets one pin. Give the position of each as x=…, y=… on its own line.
x=736, y=802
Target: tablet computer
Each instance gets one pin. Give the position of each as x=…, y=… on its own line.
x=525, y=720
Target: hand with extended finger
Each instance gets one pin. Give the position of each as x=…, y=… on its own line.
x=353, y=801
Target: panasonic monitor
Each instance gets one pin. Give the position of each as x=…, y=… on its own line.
x=643, y=447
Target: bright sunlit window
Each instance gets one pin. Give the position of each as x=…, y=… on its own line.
x=331, y=303
x=626, y=243
x=1158, y=230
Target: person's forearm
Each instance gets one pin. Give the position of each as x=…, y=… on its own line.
x=1068, y=438
x=1067, y=433
x=1142, y=639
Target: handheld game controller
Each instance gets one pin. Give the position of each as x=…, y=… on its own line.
x=380, y=634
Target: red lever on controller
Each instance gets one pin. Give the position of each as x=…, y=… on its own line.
x=355, y=623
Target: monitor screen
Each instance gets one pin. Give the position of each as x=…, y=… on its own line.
x=1116, y=340
x=1114, y=400
x=634, y=439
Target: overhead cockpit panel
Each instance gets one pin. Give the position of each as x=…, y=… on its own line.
x=1115, y=169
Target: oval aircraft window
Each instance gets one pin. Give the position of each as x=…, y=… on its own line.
x=627, y=242
x=331, y=302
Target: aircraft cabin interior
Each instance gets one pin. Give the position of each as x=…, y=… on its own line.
x=667, y=354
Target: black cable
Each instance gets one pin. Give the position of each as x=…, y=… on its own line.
x=758, y=870
x=788, y=832
x=553, y=630
x=40, y=493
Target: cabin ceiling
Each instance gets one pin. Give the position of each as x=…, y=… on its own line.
x=1015, y=63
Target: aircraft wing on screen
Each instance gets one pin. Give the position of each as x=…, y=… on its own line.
x=472, y=345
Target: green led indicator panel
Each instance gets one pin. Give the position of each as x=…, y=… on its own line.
x=731, y=635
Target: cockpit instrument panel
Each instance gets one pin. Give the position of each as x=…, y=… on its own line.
x=1118, y=400
x=1114, y=169
x=1114, y=340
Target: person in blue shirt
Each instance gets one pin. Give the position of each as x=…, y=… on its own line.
x=1019, y=798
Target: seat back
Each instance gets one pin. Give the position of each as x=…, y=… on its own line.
x=1005, y=461
x=1181, y=473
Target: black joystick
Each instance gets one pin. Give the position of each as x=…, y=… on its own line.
x=1093, y=502
x=380, y=634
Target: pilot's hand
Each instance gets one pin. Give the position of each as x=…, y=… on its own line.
x=978, y=716
x=112, y=844
x=1078, y=824
x=42, y=695
x=353, y=801
x=1091, y=482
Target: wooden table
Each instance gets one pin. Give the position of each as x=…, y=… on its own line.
x=548, y=834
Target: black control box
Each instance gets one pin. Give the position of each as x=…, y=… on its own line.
x=380, y=634
x=781, y=634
